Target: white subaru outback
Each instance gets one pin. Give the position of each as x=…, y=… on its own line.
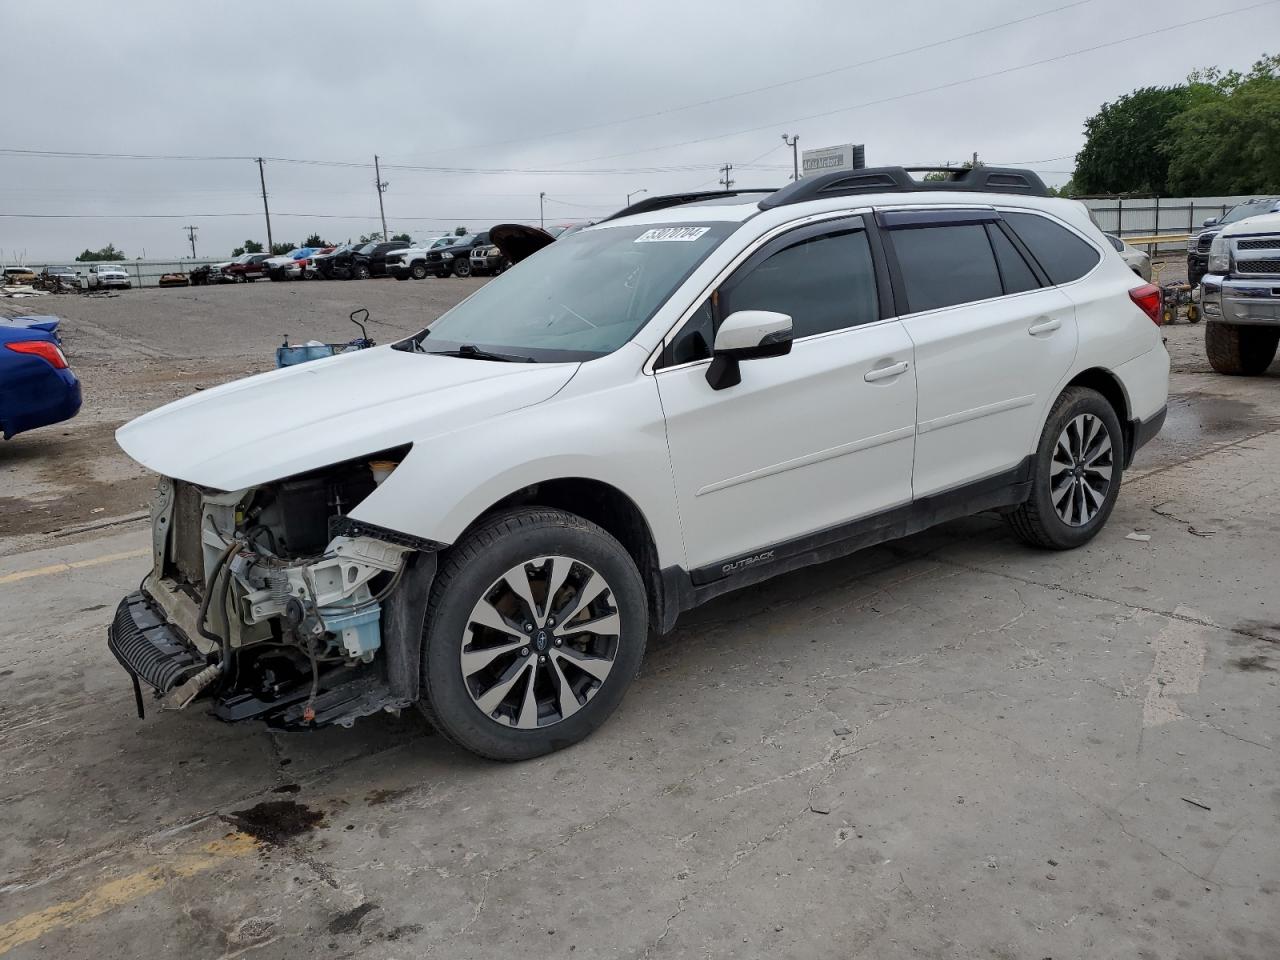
x=701, y=392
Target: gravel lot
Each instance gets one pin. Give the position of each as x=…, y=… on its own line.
x=950, y=746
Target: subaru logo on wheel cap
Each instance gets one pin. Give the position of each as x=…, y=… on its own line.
x=540, y=640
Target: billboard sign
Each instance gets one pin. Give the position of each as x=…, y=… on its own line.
x=846, y=156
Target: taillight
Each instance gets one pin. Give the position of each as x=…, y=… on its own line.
x=1148, y=298
x=42, y=349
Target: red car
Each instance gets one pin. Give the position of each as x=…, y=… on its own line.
x=246, y=267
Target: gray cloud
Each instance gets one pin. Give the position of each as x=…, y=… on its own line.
x=481, y=85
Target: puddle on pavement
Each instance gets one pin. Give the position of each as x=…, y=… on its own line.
x=1196, y=423
x=276, y=822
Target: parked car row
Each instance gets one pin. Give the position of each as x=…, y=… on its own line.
x=99, y=276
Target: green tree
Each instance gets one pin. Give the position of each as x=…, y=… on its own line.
x=372, y=237
x=459, y=231
x=280, y=249
x=1126, y=142
x=109, y=252
x=250, y=246
x=1228, y=140
x=315, y=241
x=403, y=236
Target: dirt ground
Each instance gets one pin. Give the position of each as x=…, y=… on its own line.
x=951, y=746
x=138, y=349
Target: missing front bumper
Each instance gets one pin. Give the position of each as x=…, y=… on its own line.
x=149, y=647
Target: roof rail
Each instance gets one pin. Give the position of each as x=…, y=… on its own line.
x=649, y=204
x=842, y=183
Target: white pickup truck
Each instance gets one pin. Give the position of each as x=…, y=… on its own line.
x=1241, y=296
x=103, y=276
x=403, y=264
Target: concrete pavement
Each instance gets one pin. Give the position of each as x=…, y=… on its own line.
x=951, y=746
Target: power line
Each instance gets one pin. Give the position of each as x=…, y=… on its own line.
x=771, y=86
x=941, y=86
x=608, y=171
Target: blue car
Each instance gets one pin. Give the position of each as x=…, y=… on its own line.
x=37, y=387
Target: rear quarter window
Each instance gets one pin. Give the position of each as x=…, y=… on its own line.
x=1061, y=254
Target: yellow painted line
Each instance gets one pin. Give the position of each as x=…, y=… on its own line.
x=116, y=893
x=73, y=565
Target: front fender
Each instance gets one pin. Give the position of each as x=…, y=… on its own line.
x=594, y=430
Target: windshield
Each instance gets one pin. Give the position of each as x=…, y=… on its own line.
x=368, y=248
x=579, y=298
x=443, y=242
x=1243, y=211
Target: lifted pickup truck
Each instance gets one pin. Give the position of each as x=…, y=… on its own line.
x=1241, y=296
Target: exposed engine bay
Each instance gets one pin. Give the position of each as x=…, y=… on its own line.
x=273, y=597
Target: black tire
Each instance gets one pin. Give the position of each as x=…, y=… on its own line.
x=361, y=271
x=1037, y=521
x=462, y=267
x=418, y=270
x=1240, y=351
x=475, y=562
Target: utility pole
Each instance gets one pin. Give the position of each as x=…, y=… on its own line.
x=726, y=179
x=262, y=178
x=542, y=220
x=975, y=159
x=191, y=235
x=795, y=156
x=382, y=188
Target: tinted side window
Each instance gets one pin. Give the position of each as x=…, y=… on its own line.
x=1062, y=255
x=946, y=265
x=824, y=283
x=1015, y=273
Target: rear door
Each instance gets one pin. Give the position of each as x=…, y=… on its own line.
x=992, y=337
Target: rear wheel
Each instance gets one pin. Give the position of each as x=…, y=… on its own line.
x=1076, y=475
x=1241, y=351
x=536, y=626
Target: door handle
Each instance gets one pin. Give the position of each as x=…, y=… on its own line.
x=883, y=373
x=1044, y=325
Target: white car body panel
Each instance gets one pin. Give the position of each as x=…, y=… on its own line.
x=975, y=425
x=606, y=424
x=307, y=416
x=802, y=443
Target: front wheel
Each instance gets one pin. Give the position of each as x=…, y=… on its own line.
x=418, y=271
x=1075, y=478
x=361, y=272
x=462, y=268
x=536, y=626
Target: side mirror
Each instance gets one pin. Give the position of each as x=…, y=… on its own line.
x=1210, y=222
x=747, y=335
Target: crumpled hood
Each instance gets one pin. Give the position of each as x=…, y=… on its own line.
x=308, y=416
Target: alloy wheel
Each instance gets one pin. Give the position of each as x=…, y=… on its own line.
x=1080, y=473
x=540, y=642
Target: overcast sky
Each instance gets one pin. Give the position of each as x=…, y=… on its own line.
x=594, y=99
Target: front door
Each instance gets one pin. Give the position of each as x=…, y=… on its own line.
x=807, y=441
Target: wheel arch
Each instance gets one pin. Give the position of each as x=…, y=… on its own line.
x=617, y=514
x=1112, y=389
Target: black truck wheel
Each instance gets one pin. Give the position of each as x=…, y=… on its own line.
x=1240, y=351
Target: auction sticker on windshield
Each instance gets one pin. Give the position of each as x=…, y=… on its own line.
x=671, y=234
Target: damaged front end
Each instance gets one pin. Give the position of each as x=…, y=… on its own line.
x=275, y=604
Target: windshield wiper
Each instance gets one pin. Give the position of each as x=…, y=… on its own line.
x=469, y=351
